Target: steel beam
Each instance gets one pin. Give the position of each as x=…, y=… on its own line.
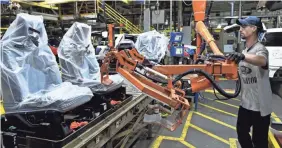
x=38, y=4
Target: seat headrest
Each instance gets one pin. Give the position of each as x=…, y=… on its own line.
x=26, y=25
x=80, y=33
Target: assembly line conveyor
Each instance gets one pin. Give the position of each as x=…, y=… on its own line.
x=119, y=126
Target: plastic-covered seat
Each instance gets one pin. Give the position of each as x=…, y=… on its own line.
x=30, y=77
x=78, y=62
x=152, y=45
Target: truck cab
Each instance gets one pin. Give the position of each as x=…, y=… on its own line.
x=272, y=40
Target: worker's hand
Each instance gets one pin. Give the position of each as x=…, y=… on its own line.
x=236, y=56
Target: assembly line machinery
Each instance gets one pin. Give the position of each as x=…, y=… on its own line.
x=80, y=126
x=161, y=83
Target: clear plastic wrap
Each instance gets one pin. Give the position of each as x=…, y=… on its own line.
x=152, y=45
x=78, y=61
x=30, y=76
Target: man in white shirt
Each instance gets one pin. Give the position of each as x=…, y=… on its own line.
x=256, y=94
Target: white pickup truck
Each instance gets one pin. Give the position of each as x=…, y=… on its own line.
x=272, y=40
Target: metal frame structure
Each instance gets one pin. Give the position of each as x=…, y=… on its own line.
x=101, y=133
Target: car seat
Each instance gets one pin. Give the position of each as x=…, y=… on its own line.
x=80, y=66
x=32, y=88
x=78, y=62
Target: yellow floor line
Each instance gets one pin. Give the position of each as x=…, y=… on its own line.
x=236, y=99
x=275, y=117
x=186, y=126
x=187, y=144
x=226, y=90
x=209, y=134
x=222, y=78
x=157, y=142
x=272, y=141
x=215, y=120
x=171, y=138
x=224, y=103
x=233, y=142
x=217, y=93
x=219, y=110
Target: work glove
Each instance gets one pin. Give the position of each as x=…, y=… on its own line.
x=236, y=56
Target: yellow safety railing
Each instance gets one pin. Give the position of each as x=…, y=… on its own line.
x=118, y=18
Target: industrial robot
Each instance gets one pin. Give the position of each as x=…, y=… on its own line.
x=162, y=82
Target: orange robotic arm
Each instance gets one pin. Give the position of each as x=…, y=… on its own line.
x=131, y=66
x=132, y=70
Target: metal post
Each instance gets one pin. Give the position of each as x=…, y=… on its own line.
x=174, y=11
x=240, y=10
x=278, y=21
x=170, y=16
x=75, y=11
x=239, y=35
x=60, y=19
x=95, y=7
x=180, y=14
x=232, y=9
x=158, y=12
x=141, y=16
x=104, y=11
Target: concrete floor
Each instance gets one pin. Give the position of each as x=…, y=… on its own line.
x=212, y=125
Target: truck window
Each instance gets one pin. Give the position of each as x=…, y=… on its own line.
x=273, y=39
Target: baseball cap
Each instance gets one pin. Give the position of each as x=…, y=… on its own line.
x=250, y=20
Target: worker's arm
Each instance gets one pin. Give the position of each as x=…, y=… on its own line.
x=258, y=59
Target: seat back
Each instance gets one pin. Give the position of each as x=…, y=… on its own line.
x=27, y=63
x=152, y=45
x=77, y=56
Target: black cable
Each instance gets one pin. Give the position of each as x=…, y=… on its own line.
x=208, y=13
x=216, y=86
x=217, y=56
x=217, y=98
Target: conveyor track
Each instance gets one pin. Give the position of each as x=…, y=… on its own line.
x=101, y=133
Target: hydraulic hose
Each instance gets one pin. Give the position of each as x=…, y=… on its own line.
x=217, y=98
x=215, y=85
